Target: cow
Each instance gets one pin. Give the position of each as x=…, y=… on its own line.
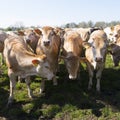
x=84, y=32
x=21, y=62
x=71, y=52
x=3, y=36
x=60, y=32
x=49, y=44
x=95, y=53
x=31, y=37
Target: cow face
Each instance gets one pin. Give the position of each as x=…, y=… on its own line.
x=116, y=35
x=30, y=36
x=95, y=50
x=113, y=33
x=115, y=53
x=109, y=32
x=72, y=65
x=47, y=36
x=43, y=68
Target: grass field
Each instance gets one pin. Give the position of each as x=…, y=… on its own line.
x=70, y=100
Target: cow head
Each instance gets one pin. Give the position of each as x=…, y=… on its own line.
x=43, y=67
x=31, y=37
x=96, y=48
x=72, y=63
x=113, y=33
x=47, y=36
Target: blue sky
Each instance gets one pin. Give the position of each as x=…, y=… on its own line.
x=57, y=12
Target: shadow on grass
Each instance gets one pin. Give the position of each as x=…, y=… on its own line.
x=73, y=93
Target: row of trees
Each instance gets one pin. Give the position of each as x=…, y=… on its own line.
x=91, y=24
x=19, y=25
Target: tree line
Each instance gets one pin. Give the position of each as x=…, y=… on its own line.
x=90, y=24
x=102, y=24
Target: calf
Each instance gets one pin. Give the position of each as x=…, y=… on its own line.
x=95, y=53
x=72, y=49
x=21, y=62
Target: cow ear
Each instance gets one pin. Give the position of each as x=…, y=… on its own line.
x=43, y=57
x=53, y=33
x=21, y=33
x=86, y=45
x=35, y=62
x=39, y=32
x=83, y=59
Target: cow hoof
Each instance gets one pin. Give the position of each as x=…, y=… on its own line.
x=10, y=103
x=42, y=91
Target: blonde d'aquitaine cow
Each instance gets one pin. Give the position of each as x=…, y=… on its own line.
x=96, y=49
x=71, y=52
x=21, y=62
x=49, y=44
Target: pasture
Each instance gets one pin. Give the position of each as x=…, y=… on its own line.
x=70, y=100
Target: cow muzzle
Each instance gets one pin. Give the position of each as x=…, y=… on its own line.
x=46, y=43
x=28, y=41
x=72, y=77
x=99, y=59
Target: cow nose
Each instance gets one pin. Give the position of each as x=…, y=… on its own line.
x=46, y=43
x=98, y=59
x=28, y=40
x=72, y=77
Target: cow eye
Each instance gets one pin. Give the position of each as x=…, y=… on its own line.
x=47, y=67
x=116, y=35
x=52, y=33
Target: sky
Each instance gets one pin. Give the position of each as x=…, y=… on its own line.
x=57, y=12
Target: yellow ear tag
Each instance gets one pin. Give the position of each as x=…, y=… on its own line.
x=35, y=62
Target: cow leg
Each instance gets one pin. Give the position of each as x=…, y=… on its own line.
x=42, y=87
x=91, y=73
x=98, y=77
x=55, y=81
x=90, y=80
x=28, y=82
x=12, y=86
x=2, y=59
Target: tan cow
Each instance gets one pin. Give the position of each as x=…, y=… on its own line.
x=21, y=62
x=95, y=53
x=49, y=44
x=31, y=37
x=72, y=49
x=3, y=36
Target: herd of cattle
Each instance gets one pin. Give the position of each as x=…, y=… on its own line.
x=38, y=52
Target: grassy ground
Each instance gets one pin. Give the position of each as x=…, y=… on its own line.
x=70, y=100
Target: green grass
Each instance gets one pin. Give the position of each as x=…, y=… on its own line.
x=70, y=100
